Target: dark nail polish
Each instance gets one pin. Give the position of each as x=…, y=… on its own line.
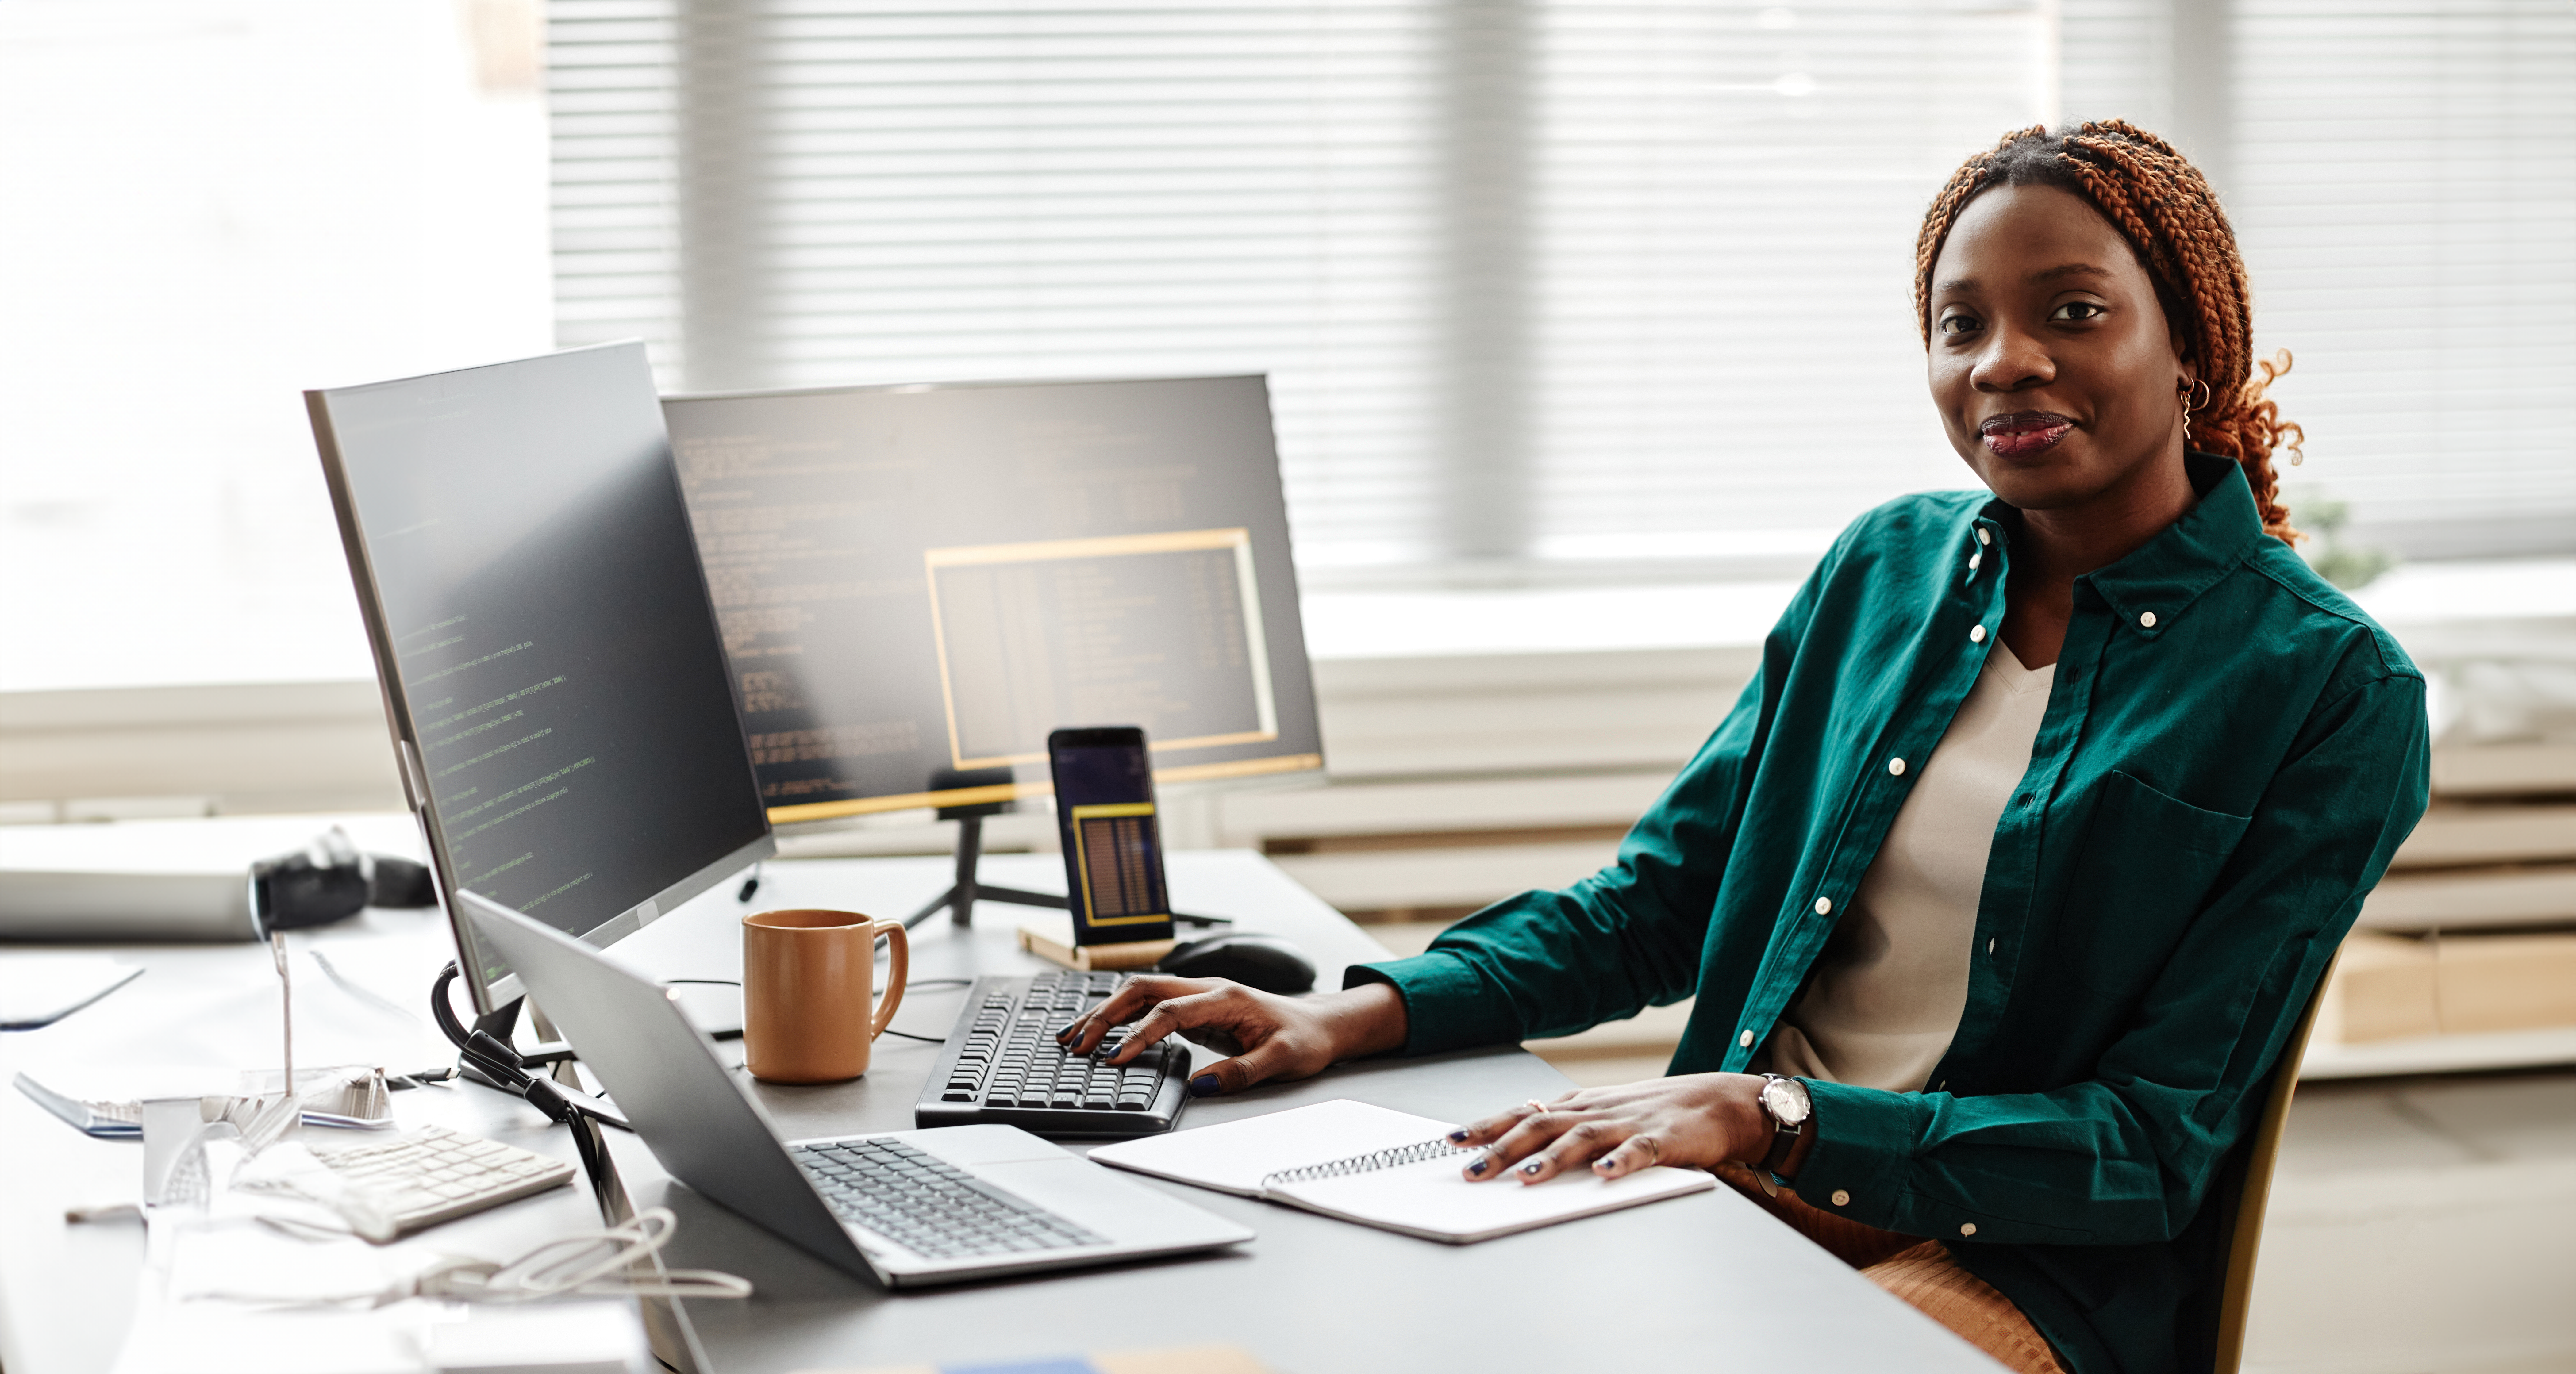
x=1532, y=1167
x=1205, y=1085
x=1459, y=1135
x=1478, y=1168
x=1068, y=1029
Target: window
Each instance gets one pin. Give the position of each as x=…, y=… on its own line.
x=816, y=194
x=211, y=205
x=1548, y=290
x=2403, y=177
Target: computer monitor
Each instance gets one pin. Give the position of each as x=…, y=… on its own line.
x=917, y=583
x=562, y=715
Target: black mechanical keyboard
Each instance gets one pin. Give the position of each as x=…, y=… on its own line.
x=1001, y=1064
x=928, y=1205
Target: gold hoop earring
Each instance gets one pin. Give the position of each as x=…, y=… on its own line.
x=2207, y=395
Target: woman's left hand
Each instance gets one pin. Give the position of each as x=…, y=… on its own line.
x=1696, y=1120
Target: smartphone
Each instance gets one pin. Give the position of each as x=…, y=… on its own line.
x=1113, y=849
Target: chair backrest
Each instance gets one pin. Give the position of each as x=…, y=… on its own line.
x=2245, y=1232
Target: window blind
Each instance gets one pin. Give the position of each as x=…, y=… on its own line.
x=612, y=78
x=1563, y=287
x=811, y=194
x=2405, y=190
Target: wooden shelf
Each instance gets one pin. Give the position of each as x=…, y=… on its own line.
x=2441, y=1054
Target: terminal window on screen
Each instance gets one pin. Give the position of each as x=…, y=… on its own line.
x=1159, y=629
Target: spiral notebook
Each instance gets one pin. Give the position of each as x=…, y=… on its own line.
x=1382, y=1168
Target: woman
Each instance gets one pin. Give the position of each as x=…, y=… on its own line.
x=2026, y=846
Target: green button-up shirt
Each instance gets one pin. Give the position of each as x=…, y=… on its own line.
x=2231, y=753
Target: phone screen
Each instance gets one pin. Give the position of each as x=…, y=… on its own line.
x=1113, y=850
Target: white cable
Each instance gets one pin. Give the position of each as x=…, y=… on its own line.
x=589, y=1266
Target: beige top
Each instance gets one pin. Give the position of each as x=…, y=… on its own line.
x=1885, y=996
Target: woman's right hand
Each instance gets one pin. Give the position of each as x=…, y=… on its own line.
x=1271, y=1036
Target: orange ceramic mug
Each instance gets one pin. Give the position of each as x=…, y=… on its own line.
x=807, y=981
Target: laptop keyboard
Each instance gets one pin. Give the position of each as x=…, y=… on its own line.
x=1002, y=1065
x=928, y=1205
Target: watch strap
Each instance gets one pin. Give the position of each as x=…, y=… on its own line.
x=1784, y=1137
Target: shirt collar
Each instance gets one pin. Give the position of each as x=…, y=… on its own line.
x=2151, y=588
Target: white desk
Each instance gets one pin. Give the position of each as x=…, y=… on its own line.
x=1693, y=1282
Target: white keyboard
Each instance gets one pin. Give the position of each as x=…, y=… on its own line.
x=433, y=1174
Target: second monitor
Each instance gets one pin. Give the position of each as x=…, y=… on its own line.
x=916, y=584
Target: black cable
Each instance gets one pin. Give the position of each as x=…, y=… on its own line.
x=925, y=1039
x=593, y=1162
x=494, y=1060
x=547, y=1096
x=441, y=1011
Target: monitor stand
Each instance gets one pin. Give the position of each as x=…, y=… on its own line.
x=961, y=896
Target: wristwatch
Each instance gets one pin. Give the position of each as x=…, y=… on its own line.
x=1786, y=1104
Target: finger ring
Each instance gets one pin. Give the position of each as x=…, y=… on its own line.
x=1652, y=1148
x=1536, y=1107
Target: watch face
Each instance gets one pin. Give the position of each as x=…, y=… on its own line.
x=1787, y=1101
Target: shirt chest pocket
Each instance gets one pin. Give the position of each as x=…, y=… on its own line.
x=2144, y=869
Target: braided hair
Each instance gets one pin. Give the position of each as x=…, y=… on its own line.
x=2163, y=206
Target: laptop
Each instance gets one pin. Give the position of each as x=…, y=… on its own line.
x=911, y=1208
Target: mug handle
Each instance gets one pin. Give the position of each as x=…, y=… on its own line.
x=897, y=973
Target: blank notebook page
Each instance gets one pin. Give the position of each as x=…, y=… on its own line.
x=1237, y=1155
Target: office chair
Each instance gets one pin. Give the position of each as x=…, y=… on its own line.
x=2245, y=1207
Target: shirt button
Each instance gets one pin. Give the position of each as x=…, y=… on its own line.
x=1976, y=634
x=1842, y=1197
x=2147, y=619
x=1973, y=560
x=1985, y=537
x=1824, y=906
x=1967, y=1228
x=1746, y=1040
x=1896, y=767
x=1990, y=946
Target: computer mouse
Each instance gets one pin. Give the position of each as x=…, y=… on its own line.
x=1256, y=961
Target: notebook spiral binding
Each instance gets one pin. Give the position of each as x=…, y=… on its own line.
x=1368, y=1163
